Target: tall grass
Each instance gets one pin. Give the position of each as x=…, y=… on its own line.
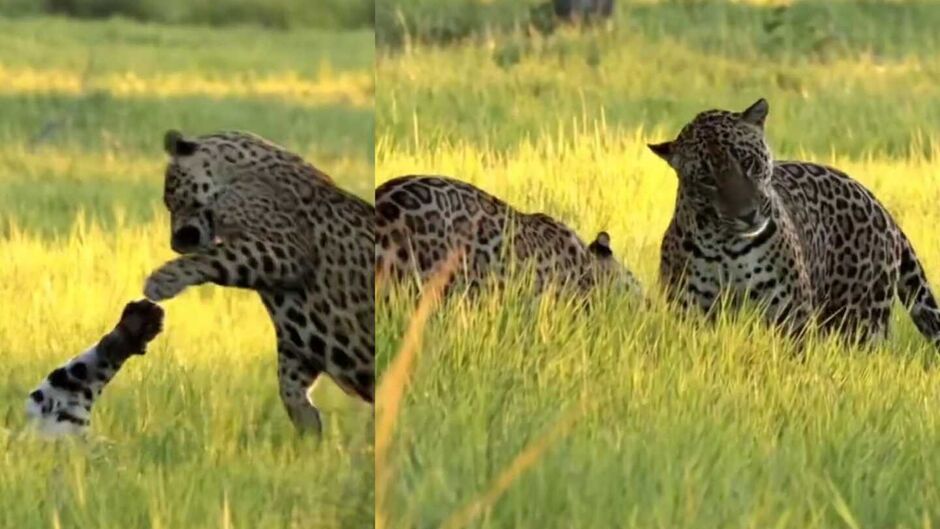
x=689, y=424
x=193, y=434
x=189, y=435
x=871, y=94
x=676, y=423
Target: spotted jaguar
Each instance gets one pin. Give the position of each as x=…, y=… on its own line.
x=804, y=241
x=247, y=213
x=421, y=221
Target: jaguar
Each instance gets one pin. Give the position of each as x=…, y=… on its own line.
x=247, y=213
x=423, y=220
x=804, y=241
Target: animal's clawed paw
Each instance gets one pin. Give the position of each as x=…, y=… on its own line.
x=162, y=285
x=142, y=320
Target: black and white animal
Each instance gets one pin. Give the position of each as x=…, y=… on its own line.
x=61, y=405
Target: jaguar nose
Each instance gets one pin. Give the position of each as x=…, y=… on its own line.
x=185, y=239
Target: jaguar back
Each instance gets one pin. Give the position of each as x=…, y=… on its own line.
x=423, y=222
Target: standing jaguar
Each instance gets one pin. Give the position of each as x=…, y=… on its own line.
x=422, y=220
x=805, y=241
x=247, y=213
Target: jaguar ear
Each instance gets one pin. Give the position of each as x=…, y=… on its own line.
x=176, y=145
x=756, y=114
x=600, y=247
x=665, y=150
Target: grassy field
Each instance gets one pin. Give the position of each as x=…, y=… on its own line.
x=281, y=14
x=193, y=434
x=533, y=414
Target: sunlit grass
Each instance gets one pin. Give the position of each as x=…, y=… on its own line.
x=327, y=88
x=689, y=424
x=193, y=434
x=85, y=109
x=44, y=189
x=19, y=163
x=868, y=89
x=596, y=177
x=679, y=423
x=186, y=433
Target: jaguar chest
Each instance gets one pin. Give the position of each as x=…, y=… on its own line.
x=736, y=268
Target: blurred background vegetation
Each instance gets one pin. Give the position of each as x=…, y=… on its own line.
x=85, y=102
x=282, y=14
x=855, y=77
x=779, y=26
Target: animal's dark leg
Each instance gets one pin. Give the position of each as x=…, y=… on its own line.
x=881, y=320
x=295, y=378
x=867, y=323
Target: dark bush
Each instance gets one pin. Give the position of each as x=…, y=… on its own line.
x=573, y=10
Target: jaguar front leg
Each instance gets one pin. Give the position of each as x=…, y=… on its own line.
x=296, y=378
x=173, y=277
x=239, y=264
x=689, y=295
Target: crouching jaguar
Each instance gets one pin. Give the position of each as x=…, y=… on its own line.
x=421, y=221
x=805, y=241
x=247, y=213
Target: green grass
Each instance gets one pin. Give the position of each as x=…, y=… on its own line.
x=279, y=14
x=85, y=108
x=193, y=434
x=662, y=63
x=664, y=423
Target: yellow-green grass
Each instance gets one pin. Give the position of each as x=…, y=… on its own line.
x=873, y=93
x=193, y=434
x=190, y=435
x=678, y=424
x=524, y=413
